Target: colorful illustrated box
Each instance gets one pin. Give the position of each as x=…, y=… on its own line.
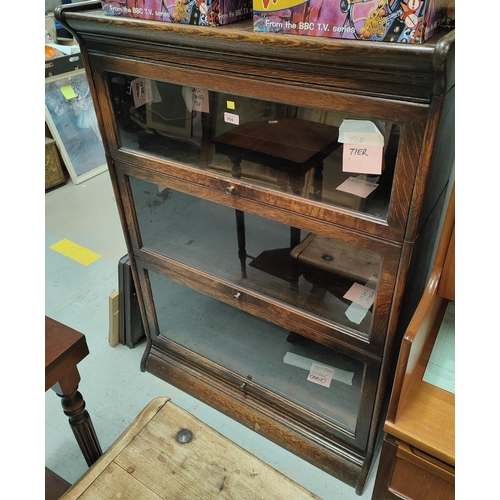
x=404, y=21
x=199, y=12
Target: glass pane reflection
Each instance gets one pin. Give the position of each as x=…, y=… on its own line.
x=222, y=333
x=288, y=148
x=304, y=270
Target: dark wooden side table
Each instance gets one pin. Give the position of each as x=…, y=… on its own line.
x=64, y=349
x=291, y=146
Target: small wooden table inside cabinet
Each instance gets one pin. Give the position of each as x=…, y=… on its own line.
x=290, y=146
x=418, y=453
x=168, y=453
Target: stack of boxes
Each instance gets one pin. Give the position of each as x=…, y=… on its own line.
x=404, y=21
x=199, y=12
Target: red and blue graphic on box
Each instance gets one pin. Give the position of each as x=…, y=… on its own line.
x=199, y=12
x=405, y=21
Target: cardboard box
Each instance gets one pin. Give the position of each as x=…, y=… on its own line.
x=63, y=64
x=54, y=174
x=199, y=12
x=404, y=21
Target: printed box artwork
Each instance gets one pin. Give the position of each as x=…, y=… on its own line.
x=404, y=21
x=199, y=12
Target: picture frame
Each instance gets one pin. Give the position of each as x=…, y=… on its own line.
x=71, y=119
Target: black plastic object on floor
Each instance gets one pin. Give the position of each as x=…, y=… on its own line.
x=131, y=329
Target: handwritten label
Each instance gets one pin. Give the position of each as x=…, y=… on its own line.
x=337, y=374
x=196, y=99
x=362, y=299
x=360, y=294
x=321, y=374
x=200, y=100
x=362, y=159
x=231, y=118
x=360, y=132
x=141, y=91
x=357, y=186
x=363, y=147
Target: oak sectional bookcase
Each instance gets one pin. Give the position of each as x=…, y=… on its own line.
x=272, y=283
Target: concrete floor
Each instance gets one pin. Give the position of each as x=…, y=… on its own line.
x=112, y=384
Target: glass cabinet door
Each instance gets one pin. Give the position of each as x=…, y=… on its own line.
x=311, y=377
x=338, y=159
x=311, y=281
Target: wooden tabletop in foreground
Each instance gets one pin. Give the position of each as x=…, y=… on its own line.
x=149, y=462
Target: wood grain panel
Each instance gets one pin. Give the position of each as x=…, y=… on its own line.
x=148, y=462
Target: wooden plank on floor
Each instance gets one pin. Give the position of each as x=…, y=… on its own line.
x=114, y=319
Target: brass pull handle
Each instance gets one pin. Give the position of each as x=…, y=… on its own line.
x=230, y=189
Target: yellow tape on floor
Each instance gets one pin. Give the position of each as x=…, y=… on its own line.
x=76, y=252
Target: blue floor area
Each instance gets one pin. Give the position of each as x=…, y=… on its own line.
x=114, y=388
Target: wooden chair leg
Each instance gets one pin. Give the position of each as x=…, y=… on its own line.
x=81, y=424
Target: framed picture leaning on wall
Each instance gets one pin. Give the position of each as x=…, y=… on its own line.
x=71, y=118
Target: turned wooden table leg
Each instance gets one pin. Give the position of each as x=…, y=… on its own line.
x=79, y=419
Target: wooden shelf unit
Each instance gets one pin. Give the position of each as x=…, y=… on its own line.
x=418, y=453
x=200, y=274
